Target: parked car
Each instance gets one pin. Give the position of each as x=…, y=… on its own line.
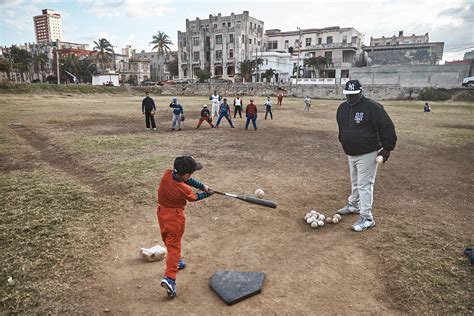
x=166, y=82
x=147, y=83
x=468, y=82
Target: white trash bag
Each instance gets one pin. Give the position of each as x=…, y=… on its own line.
x=156, y=253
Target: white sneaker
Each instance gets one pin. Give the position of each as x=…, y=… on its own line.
x=154, y=129
x=348, y=209
x=363, y=224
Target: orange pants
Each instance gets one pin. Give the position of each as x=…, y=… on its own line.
x=172, y=223
x=204, y=118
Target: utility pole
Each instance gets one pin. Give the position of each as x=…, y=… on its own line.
x=299, y=52
x=57, y=66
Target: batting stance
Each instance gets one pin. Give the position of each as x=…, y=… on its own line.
x=173, y=193
x=365, y=131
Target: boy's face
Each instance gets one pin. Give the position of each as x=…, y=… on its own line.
x=186, y=176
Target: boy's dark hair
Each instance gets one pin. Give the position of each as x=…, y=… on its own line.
x=186, y=164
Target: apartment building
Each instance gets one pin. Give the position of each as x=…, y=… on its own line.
x=218, y=44
x=47, y=26
x=341, y=46
x=404, y=50
x=159, y=65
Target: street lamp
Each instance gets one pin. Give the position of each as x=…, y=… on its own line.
x=299, y=53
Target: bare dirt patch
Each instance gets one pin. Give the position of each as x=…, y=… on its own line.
x=411, y=262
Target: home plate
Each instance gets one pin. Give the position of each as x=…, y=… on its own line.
x=233, y=286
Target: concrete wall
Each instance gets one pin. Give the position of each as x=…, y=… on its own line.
x=446, y=76
x=334, y=92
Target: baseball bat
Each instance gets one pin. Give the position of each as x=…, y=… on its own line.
x=250, y=199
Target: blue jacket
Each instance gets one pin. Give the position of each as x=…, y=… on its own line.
x=224, y=109
x=177, y=108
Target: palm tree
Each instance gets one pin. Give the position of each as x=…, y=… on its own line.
x=162, y=44
x=105, y=49
x=316, y=63
x=268, y=75
x=248, y=67
x=39, y=62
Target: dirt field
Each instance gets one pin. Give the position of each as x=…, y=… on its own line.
x=80, y=172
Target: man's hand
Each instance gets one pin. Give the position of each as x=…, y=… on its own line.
x=385, y=154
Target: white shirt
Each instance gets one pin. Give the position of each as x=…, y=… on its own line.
x=215, y=99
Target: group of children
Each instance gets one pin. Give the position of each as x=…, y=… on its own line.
x=220, y=108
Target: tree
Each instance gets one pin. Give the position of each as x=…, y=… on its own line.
x=39, y=64
x=268, y=75
x=104, y=50
x=203, y=74
x=161, y=42
x=316, y=63
x=248, y=67
x=21, y=60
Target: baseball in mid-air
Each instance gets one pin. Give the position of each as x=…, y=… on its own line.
x=259, y=193
x=379, y=159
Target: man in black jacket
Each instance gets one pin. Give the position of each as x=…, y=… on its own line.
x=365, y=131
x=149, y=109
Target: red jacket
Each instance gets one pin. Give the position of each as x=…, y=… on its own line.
x=251, y=110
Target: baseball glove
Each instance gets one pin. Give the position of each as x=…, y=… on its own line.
x=152, y=113
x=182, y=118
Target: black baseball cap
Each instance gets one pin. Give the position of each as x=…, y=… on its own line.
x=352, y=87
x=186, y=164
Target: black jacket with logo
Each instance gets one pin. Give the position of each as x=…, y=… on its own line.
x=365, y=127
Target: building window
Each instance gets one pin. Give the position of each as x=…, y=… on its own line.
x=185, y=57
x=250, y=41
x=231, y=38
x=328, y=55
x=308, y=42
x=223, y=24
x=344, y=39
x=195, y=56
x=218, y=55
x=228, y=24
x=388, y=43
x=243, y=39
x=287, y=44
x=273, y=45
x=250, y=24
x=196, y=41
x=354, y=40
x=231, y=53
x=218, y=39
x=254, y=41
x=215, y=26
x=266, y=61
x=329, y=40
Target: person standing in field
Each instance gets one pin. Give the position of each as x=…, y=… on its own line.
x=174, y=192
x=205, y=116
x=365, y=132
x=280, y=99
x=238, y=103
x=215, y=102
x=178, y=113
x=224, y=111
x=149, y=110
x=251, y=114
x=307, y=104
x=268, y=108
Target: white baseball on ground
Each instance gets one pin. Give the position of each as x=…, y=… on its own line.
x=308, y=215
x=320, y=223
x=321, y=217
x=338, y=216
x=335, y=220
x=313, y=212
x=379, y=159
x=259, y=193
x=314, y=224
x=329, y=220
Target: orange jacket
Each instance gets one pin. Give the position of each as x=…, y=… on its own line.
x=172, y=193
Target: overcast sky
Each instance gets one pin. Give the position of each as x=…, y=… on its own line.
x=134, y=22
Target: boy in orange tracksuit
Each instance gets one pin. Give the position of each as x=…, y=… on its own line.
x=173, y=193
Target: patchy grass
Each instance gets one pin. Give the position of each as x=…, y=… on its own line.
x=51, y=229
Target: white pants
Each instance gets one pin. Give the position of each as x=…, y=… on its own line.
x=363, y=169
x=215, y=109
x=306, y=107
x=176, y=121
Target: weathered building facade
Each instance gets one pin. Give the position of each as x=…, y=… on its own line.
x=218, y=44
x=404, y=50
